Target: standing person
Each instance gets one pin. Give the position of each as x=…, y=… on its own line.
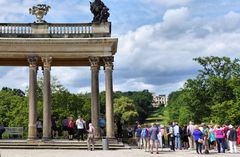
x=130, y=134
x=190, y=130
x=138, y=136
x=80, y=123
x=136, y=126
x=226, y=129
x=119, y=129
x=54, y=127
x=232, y=138
x=171, y=137
x=185, y=137
x=145, y=136
x=159, y=136
x=70, y=128
x=162, y=130
x=102, y=124
x=153, y=138
x=2, y=130
x=211, y=136
x=91, y=134
x=65, y=127
x=220, y=138
x=238, y=132
x=177, y=136
x=39, y=128
x=198, y=138
x=206, y=138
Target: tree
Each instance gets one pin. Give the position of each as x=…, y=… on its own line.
x=212, y=96
x=125, y=110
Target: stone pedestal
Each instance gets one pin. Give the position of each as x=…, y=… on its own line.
x=108, y=61
x=32, y=131
x=95, y=106
x=46, y=98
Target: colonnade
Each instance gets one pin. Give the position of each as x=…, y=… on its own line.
x=95, y=105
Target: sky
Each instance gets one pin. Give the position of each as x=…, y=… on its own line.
x=158, y=40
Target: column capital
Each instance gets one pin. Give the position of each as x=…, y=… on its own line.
x=94, y=62
x=47, y=62
x=108, y=62
x=32, y=60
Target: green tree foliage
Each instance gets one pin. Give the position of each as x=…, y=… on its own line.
x=212, y=96
x=142, y=101
x=125, y=109
x=130, y=106
x=13, y=108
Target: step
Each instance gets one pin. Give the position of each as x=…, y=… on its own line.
x=56, y=144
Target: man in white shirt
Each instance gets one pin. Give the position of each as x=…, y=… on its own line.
x=176, y=132
x=81, y=125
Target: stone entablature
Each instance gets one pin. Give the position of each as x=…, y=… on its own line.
x=65, y=51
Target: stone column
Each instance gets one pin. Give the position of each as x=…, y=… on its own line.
x=46, y=97
x=32, y=116
x=108, y=62
x=95, y=106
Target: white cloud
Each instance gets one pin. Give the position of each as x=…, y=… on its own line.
x=168, y=47
x=156, y=56
x=15, y=78
x=169, y=2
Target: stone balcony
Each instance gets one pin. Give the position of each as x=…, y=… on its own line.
x=55, y=30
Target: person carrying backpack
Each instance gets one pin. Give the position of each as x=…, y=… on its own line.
x=145, y=136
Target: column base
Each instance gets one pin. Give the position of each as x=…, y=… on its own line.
x=46, y=138
x=32, y=132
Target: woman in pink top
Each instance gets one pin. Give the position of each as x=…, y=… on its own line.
x=220, y=138
x=91, y=133
x=238, y=132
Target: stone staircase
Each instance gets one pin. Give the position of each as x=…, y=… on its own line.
x=58, y=144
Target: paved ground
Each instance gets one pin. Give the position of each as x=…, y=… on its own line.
x=101, y=153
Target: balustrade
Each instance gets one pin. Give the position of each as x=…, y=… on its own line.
x=55, y=29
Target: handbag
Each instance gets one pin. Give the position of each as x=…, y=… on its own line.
x=200, y=140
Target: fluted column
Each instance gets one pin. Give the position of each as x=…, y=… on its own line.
x=46, y=97
x=95, y=106
x=108, y=62
x=32, y=116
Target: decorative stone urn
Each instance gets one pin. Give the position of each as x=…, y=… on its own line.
x=39, y=11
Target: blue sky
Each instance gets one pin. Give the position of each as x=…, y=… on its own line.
x=157, y=40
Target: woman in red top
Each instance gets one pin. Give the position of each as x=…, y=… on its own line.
x=238, y=132
x=70, y=128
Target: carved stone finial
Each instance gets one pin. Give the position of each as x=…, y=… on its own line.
x=100, y=11
x=39, y=11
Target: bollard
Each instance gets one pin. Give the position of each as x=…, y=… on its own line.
x=105, y=143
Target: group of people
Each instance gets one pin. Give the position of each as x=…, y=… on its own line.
x=215, y=137
x=199, y=137
x=148, y=138
x=71, y=128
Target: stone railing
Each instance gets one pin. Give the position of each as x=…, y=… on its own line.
x=13, y=28
x=70, y=28
x=55, y=30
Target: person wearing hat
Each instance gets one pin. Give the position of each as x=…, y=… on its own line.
x=232, y=138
